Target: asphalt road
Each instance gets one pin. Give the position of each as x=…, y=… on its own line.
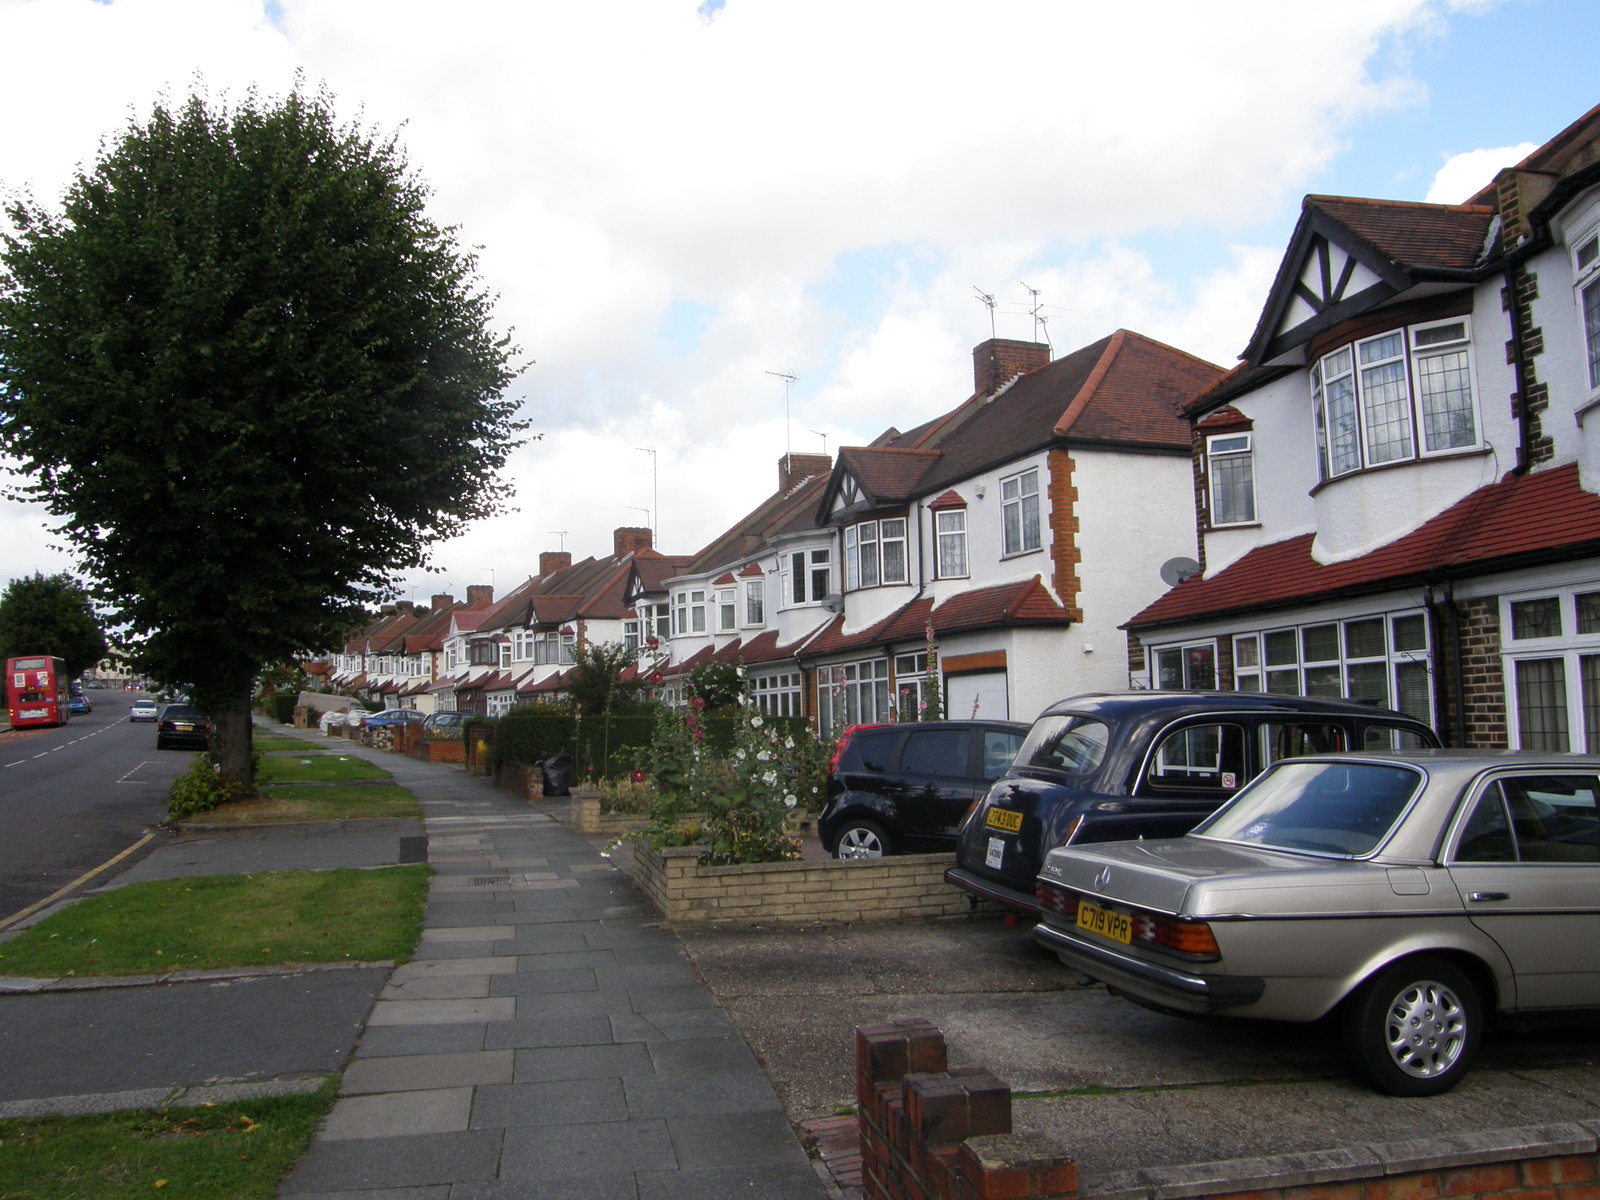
x=73, y=797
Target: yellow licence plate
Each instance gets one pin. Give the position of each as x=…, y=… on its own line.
x=1004, y=818
x=1105, y=922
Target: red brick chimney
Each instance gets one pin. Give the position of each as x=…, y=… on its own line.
x=442, y=600
x=797, y=468
x=406, y=607
x=551, y=561
x=630, y=539
x=480, y=595
x=998, y=361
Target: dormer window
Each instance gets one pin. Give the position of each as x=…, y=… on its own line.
x=1402, y=395
x=875, y=553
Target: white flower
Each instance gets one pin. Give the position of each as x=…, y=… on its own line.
x=790, y=800
x=770, y=778
x=788, y=743
x=756, y=721
x=764, y=756
x=739, y=753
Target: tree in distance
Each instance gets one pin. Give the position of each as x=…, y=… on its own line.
x=253, y=381
x=51, y=614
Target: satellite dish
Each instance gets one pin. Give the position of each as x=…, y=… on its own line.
x=1175, y=570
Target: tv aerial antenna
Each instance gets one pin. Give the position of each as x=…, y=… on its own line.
x=655, y=492
x=789, y=378
x=1041, y=331
x=824, y=438
x=988, y=302
x=562, y=534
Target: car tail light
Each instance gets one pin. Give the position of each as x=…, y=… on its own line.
x=838, y=749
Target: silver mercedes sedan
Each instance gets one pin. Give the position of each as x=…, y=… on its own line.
x=1409, y=894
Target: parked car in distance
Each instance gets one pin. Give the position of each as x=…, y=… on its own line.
x=1410, y=895
x=395, y=716
x=78, y=705
x=182, y=726
x=446, y=723
x=903, y=789
x=1107, y=766
x=142, y=710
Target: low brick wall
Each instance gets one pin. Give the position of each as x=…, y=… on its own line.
x=453, y=750
x=931, y=1133
x=878, y=889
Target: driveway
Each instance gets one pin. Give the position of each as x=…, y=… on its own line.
x=1119, y=1086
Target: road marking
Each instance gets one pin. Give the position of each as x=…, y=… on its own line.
x=76, y=883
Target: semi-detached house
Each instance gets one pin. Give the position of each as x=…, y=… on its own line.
x=986, y=557
x=1398, y=490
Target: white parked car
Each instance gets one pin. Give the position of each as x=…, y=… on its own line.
x=142, y=710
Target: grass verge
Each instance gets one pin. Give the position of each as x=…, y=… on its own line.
x=268, y=743
x=234, y=1151
x=312, y=767
x=213, y=921
x=289, y=802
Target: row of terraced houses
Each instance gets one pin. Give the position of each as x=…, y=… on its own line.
x=1392, y=497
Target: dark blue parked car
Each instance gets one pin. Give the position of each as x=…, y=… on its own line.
x=1115, y=766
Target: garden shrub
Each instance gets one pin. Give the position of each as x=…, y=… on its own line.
x=202, y=788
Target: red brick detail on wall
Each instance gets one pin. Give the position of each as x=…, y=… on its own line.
x=1483, y=683
x=1065, y=552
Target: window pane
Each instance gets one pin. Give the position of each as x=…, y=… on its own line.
x=1283, y=683
x=1344, y=446
x=1201, y=667
x=1589, y=677
x=1246, y=652
x=1539, y=618
x=1542, y=704
x=1320, y=642
x=1323, y=682
x=1588, y=612
x=894, y=550
x=1387, y=409
x=1233, y=489
x=1368, y=681
x=1591, y=330
x=1414, y=694
x=936, y=752
x=1282, y=648
x=1410, y=633
x=1169, y=670
x=1445, y=384
x=1364, y=639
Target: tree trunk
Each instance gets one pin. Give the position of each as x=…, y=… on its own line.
x=232, y=724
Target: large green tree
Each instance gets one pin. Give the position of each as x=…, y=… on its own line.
x=253, y=380
x=51, y=614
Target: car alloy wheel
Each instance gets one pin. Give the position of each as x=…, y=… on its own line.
x=861, y=839
x=1414, y=1028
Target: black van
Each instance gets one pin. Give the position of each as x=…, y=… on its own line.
x=1116, y=766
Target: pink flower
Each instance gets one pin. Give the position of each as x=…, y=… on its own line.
x=698, y=702
x=637, y=776
x=698, y=733
x=655, y=677
x=652, y=642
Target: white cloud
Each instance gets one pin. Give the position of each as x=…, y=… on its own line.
x=822, y=181
x=1464, y=175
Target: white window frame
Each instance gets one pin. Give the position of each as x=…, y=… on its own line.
x=1355, y=376
x=950, y=543
x=1586, y=294
x=777, y=694
x=854, y=693
x=755, y=603
x=1019, y=507
x=727, y=609
x=1185, y=659
x=1283, y=659
x=809, y=577
x=688, y=611
x=1564, y=645
x=1228, y=450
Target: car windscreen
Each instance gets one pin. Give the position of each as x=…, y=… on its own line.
x=1344, y=809
x=1065, y=742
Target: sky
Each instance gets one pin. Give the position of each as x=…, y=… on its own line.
x=723, y=230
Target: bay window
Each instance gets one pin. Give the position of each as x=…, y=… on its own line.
x=1398, y=396
x=875, y=553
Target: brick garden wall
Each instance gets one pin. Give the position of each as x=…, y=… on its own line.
x=879, y=889
x=931, y=1133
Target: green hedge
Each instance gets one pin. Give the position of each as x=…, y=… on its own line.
x=280, y=707
x=613, y=746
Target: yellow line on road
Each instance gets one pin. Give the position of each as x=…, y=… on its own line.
x=75, y=884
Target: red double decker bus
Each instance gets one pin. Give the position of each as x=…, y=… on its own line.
x=37, y=691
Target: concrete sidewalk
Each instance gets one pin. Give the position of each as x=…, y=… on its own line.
x=550, y=1039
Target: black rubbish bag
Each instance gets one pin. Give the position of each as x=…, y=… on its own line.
x=557, y=772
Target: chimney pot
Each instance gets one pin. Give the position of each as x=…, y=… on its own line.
x=551, y=561
x=480, y=595
x=630, y=539
x=797, y=468
x=998, y=361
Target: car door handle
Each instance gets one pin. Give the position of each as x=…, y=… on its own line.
x=1481, y=896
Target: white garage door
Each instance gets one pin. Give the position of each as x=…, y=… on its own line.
x=977, y=695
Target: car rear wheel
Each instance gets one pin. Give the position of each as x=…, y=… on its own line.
x=1414, y=1028
x=862, y=839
